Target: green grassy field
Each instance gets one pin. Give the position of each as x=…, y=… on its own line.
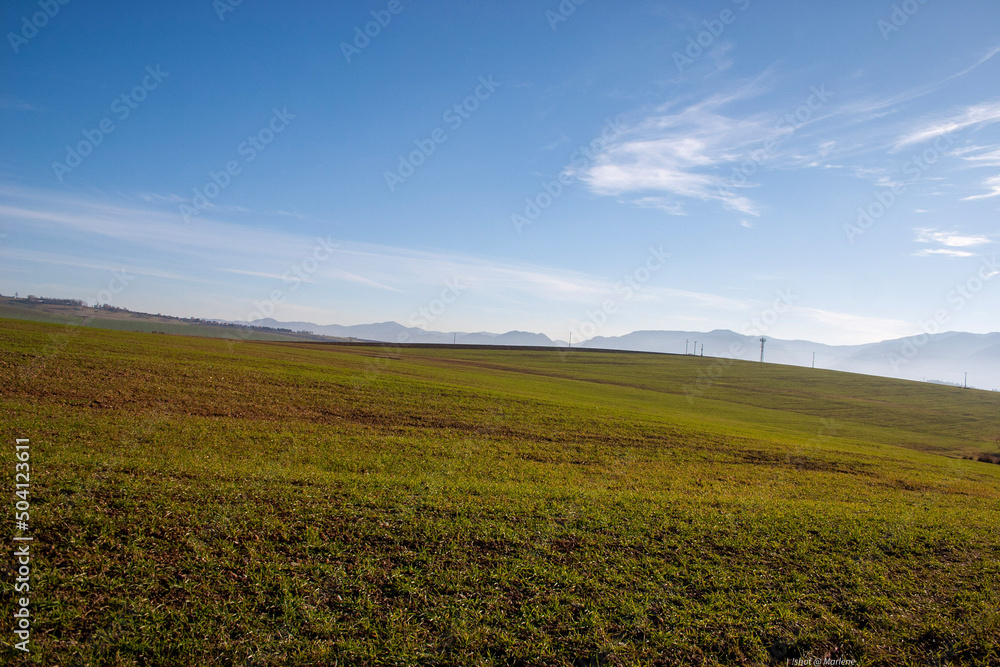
x=196, y=502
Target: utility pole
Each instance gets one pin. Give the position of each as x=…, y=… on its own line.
x=762, y=341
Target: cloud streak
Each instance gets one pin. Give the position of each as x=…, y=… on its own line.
x=212, y=246
x=950, y=239
x=992, y=184
x=674, y=155
x=951, y=243
x=692, y=150
x=982, y=114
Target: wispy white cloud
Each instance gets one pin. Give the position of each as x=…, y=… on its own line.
x=872, y=108
x=227, y=207
x=864, y=126
x=988, y=56
x=256, y=274
x=950, y=243
x=711, y=300
x=979, y=156
x=208, y=245
x=172, y=200
x=355, y=278
x=12, y=104
x=969, y=116
x=287, y=214
x=660, y=203
x=850, y=328
x=62, y=259
x=693, y=149
x=992, y=184
x=950, y=239
x=681, y=154
x=943, y=252
x=156, y=198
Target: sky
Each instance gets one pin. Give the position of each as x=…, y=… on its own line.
x=820, y=171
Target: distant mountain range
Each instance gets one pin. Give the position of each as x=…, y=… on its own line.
x=393, y=332
x=944, y=357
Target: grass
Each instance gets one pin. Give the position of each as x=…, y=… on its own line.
x=199, y=502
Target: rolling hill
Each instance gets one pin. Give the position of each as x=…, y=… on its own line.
x=944, y=357
x=195, y=501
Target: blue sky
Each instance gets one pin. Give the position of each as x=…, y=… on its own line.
x=826, y=171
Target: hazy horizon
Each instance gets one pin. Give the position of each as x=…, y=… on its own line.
x=823, y=173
